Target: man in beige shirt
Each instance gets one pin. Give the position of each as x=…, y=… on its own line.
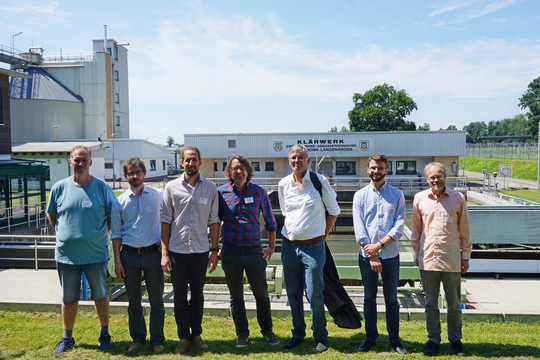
x=442, y=245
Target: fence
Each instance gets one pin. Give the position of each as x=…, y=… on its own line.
x=31, y=216
x=503, y=151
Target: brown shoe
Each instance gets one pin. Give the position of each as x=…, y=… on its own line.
x=133, y=347
x=183, y=346
x=157, y=349
x=198, y=342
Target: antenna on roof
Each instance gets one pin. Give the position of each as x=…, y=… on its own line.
x=105, y=40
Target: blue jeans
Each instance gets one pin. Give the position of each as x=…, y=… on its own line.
x=451, y=281
x=134, y=266
x=303, y=268
x=234, y=260
x=188, y=269
x=70, y=279
x=390, y=281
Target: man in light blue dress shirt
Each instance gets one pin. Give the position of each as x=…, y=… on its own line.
x=135, y=226
x=379, y=218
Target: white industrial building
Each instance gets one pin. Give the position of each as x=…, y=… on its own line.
x=334, y=154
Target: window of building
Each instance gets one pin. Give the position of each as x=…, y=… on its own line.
x=256, y=166
x=232, y=144
x=224, y=166
x=116, y=77
x=117, y=98
x=405, y=167
x=152, y=165
x=390, y=172
x=215, y=166
x=269, y=166
x=115, y=53
x=345, y=168
x=108, y=165
x=109, y=50
x=164, y=165
x=118, y=121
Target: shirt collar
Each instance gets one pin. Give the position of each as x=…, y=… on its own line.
x=383, y=186
x=445, y=193
x=144, y=190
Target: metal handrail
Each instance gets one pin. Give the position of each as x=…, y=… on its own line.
x=19, y=211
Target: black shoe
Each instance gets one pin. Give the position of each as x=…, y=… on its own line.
x=431, y=348
x=458, y=349
x=366, y=345
x=398, y=348
x=294, y=342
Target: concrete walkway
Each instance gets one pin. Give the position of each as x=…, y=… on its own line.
x=509, y=300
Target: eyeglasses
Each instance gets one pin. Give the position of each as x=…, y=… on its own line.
x=241, y=168
x=377, y=168
x=133, y=173
x=298, y=158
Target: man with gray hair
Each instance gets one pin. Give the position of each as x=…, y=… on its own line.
x=441, y=242
x=303, y=251
x=80, y=210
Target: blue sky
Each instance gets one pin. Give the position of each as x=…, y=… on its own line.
x=234, y=66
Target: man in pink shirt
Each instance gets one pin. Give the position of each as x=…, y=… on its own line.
x=442, y=245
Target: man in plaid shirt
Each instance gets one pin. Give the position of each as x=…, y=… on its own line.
x=240, y=204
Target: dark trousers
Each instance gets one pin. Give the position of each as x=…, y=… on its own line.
x=134, y=266
x=188, y=269
x=390, y=282
x=234, y=260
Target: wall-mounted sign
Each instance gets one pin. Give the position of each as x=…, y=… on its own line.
x=320, y=144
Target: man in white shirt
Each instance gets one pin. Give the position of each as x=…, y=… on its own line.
x=190, y=207
x=303, y=252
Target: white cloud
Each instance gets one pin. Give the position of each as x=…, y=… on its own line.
x=215, y=60
x=472, y=9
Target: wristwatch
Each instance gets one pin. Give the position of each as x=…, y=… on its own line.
x=216, y=249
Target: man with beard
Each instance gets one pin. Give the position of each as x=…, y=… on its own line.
x=379, y=218
x=80, y=210
x=135, y=228
x=441, y=242
x=241, y=202
x=190, y=207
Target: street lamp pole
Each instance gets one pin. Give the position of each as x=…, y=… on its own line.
x=13, y=40
x=113, y=172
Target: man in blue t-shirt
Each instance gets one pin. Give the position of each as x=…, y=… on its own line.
x=79, y=208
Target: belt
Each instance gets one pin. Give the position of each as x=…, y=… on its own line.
x=142, y=250
x=304, y=242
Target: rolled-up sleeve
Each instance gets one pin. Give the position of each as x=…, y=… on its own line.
x=168, y=208
x=268, y=214
x=214, y=211
x=329, y=197
x=464, y=227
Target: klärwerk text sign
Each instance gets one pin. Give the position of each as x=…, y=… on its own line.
x=324, y=145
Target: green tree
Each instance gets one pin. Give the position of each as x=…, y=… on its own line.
x=382, y=109
x=424, y=127
x=531, y=100
x=475, y=130
x=333, y=129
x=170, y=141
x=451, y=127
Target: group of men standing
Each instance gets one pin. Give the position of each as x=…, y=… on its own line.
x=83, y=209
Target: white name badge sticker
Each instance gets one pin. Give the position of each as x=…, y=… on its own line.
x=86, y=204
x=150, y=209
x=448, y=219
x=248, y=200
x=203, y=200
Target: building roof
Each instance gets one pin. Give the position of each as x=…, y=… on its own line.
x=42, y=86
x=14, y=73
x=57, y=146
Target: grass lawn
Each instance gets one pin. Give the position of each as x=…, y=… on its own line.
x=33, y=335
x=521, y=168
